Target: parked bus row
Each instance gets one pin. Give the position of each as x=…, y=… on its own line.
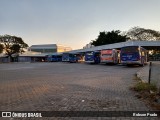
x=126, y=56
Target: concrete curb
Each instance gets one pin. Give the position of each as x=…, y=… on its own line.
x=143, y=73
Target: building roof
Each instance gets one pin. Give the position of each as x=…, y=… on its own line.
x=148, y=44
x=56, y=53
x=32, y=54
x=49, y=46
x=44, y=46
x=3, y=55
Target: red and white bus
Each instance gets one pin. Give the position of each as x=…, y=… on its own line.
x=110, y=56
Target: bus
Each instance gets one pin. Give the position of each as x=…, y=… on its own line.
x=73, y=58
x=69, y=57
x=65, y=57
x=54, y=58
x=134, y=55
x=92, y=57
x=110, y=56
x=80, y=57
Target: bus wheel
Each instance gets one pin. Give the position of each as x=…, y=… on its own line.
x=129, y=65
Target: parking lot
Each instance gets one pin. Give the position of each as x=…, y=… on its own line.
x=68, y=87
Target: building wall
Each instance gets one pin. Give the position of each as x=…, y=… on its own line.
x=49, y=48
x=43, y=50
x=24, y=59
x=4, y=60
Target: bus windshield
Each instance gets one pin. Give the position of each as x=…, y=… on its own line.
x=89, y=53
x=130, y=49
x=72, y=55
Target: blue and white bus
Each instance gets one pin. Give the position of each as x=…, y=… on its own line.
x=69, y=57
x=73, y=58
x=133, y=55
x=92, y=57
x=65, y=57
x=54, y=58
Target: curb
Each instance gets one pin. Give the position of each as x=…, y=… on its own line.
x=143, y=73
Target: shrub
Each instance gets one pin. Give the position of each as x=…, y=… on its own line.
x=145, y=87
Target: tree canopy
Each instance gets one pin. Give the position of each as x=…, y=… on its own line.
x=12, y=45
x=109, y=38
x=142, y=34
x=1, y=48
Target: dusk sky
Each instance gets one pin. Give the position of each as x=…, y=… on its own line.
x=74, y=22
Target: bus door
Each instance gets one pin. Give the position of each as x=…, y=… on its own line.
x=97, y=57
x=115, y=56
x=118, y=56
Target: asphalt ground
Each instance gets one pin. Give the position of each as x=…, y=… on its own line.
x=69, y=87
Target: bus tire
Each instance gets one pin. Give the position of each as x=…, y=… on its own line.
x=129, y=65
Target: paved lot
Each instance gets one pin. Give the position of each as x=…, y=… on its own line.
x=65, y=86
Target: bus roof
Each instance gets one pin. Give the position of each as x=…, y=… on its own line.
x=133, y=46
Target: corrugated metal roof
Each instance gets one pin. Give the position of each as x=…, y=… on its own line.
x=47, y=46
x=119, y=45
x=43, y=46
x=33, y=55
x=3, y=55
x=109, y=46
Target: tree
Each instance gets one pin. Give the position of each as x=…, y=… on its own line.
x=142, y=34
x=109, y=38
x=11, y=45
x=1, y=48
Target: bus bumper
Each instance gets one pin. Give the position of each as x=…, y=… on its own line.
x=131, y=62
x=89, y=61
x=107, y=61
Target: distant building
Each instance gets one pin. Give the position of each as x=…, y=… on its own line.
x=4, y=58
x=49, y=48
x=30, y=56
x=39, y=53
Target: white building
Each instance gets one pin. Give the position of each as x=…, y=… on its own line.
x=39, y=53
x=49, y=48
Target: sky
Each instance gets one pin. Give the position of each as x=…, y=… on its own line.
x=74, y=23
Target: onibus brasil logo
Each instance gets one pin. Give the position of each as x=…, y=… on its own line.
x=21, y=114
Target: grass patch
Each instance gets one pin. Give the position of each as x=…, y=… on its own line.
x=140, y=86
x=148, y=93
